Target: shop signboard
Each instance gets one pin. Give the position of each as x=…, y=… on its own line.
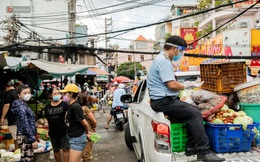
x=229, y=43
x=189, y=34
x=246, y=4
x=255, y=42
x=213, y=46
x=237, y=42
x=255, y=49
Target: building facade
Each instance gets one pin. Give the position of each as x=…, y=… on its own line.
x=44, y=20
x=140, y=44
x=47, y=18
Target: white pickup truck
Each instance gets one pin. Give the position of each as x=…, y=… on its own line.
x=147, y=132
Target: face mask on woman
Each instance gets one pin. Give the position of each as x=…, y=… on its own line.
x=26, y=97
x=56, y=98
x=66, y=98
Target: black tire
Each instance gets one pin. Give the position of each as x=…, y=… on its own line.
x=121, y=126
x=128, y=141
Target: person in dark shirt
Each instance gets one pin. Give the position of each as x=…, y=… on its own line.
x=90, y=118
x=26, y=124
x=9, y=96
x=55, y=114
x=77, y=125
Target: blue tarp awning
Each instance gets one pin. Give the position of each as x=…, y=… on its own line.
x=57, y=70
x=13, y=63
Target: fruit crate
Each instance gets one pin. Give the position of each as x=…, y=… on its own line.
x=229, y=137
x=222, y=77
x=252, y=110
x=178, y=136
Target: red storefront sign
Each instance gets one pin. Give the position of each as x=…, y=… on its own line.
x=189, y=34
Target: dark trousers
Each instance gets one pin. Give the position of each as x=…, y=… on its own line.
x=185, y=113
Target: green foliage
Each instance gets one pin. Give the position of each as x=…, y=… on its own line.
x=199, y=33
x=127, y=69
x=196, y=23
x=205, y=31
x=167, y=35
x=205, y=4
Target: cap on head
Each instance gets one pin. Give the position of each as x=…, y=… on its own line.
x=70, y=88
x=121, y=86
x=115, y=83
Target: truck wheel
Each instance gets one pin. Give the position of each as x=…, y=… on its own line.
x=128, y=140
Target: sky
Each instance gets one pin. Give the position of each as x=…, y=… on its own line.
x=125, y=19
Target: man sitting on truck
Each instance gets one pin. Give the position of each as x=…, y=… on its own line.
x=164, y=92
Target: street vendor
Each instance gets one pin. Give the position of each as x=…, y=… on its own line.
x=164, y=91
x=9, y=96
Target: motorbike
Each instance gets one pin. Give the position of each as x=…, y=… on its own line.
x=119, y=117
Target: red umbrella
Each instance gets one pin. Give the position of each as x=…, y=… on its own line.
x=120, y=79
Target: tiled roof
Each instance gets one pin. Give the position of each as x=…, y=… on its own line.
x=141, y=38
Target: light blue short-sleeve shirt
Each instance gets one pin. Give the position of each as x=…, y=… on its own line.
x=117, y=96
x=160, y=72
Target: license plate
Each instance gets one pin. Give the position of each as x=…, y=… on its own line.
x=119, y=115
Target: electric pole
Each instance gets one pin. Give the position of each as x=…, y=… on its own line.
x=132, y=47
x=12, y=32
x=108, y=28
x=72, y=20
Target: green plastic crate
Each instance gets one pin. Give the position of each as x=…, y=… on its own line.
x=252, y=110
x=178, y=136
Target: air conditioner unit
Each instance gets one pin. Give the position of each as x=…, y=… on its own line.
x=243, y=25
x=258, y=25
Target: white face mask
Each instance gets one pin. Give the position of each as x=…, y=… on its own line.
x=27, y=97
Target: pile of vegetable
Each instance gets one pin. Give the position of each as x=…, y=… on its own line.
x=42, y=122
x=5, y=132
x=43, y=134
x=7, y=156
x=229, y=116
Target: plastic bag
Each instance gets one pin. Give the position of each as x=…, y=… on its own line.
x=203, y=96
x=215, y=104
x=95, y=137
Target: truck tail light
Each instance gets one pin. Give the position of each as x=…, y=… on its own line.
x=161, y=137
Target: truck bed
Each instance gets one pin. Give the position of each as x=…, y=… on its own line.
x=251, y=156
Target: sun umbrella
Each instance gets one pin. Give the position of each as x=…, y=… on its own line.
x=121, y=79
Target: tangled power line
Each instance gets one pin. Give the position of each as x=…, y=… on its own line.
x=19, y=46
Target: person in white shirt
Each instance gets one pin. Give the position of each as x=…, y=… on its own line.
x=117, y=102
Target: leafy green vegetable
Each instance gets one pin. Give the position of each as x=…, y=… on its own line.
x=241, y=113
x=245, y=120
x=218, y=121
x=225, y=107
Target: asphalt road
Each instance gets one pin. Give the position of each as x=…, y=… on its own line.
x=111, y=147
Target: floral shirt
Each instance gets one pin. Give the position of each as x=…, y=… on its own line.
x=25, y=120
